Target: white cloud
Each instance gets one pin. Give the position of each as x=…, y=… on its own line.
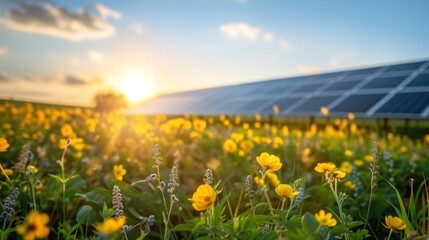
x=95, y=56
x=285, y=45
x=240, y=30
x=106, y=12
x=137, y=28
x=43, y=18
x=268, y=37
x=309, y=69
x=3, y=51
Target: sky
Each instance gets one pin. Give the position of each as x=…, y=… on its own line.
x=65, y=52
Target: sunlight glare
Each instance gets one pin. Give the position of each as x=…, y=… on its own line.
x=137, y=87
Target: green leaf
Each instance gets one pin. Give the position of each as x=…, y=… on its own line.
x=59, y=179
x=309, y=223
x=87, y=215
x=98, y=195
x=339, y=229
x=402, y=213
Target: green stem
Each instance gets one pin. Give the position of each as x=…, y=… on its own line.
x=266, y=194
x=166, y=221
x=33, y=195
x=4, y=173
x=390, y=233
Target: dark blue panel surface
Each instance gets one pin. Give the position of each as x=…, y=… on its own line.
x=389, y=82
x=406, y=103
x=341, y=86
x=358, y=103
x=406, y=66
x=314, y=104
x=419, y=81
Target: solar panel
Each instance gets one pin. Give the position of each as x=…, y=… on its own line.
x=341, y=86
x=419, y=81
x=282, y=104
x=414, y=102
x=358, y=103
x=307, y=88
x=400, y=90
x=366, y=71
x=314, y=104
x=402, y=67
x=254, y=105
x=389, y=82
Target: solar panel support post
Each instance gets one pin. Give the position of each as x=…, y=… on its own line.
x=406, y=124
x=312, y=119
x=385, y=124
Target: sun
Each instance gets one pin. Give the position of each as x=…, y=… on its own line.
x=137, y=87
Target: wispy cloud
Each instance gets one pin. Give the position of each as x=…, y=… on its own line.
x=3, y=51
x=106, y=12
x=73, y=80
x=246, y=31
x=95, y=56
x=137, y=28
x=309, y=69
x=240, y=30
x=44, y=18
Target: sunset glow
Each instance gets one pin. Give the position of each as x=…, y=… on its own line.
x=137, y=87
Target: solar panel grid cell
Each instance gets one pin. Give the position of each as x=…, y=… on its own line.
x=406, y=103
x=314, y=104
x=358, y=103
x=390, y=82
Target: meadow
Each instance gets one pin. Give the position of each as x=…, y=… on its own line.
x=75, y=173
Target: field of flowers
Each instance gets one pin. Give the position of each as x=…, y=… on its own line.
x=74, y=173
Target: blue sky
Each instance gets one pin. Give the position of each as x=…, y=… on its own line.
x=66, y=51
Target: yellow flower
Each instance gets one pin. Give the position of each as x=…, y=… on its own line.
x=274, y=179
x=34, y=226
x=258, y=180
x=325, y=219
x=269, y=161
x=346, y=167
x=204, y=197
x=199, y=124
x=351, y=116
x=32, y=169
x=110, y=225
x=67, y=131
x=325, y=167
x=8, y=172
x=229, y=146
x=394, y=223
x=285, y=190
x=369, y=158
x=3, y=144
x=324, y=111
x=348, y=152
x=350, y=185
x=339, y=174
x=358, y=163
x=119, y=172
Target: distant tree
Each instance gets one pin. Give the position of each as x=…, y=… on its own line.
x=109, y=101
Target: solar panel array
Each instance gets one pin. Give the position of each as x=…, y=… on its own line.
x=393, y=91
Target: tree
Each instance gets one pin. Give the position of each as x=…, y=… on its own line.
x=109, y=101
